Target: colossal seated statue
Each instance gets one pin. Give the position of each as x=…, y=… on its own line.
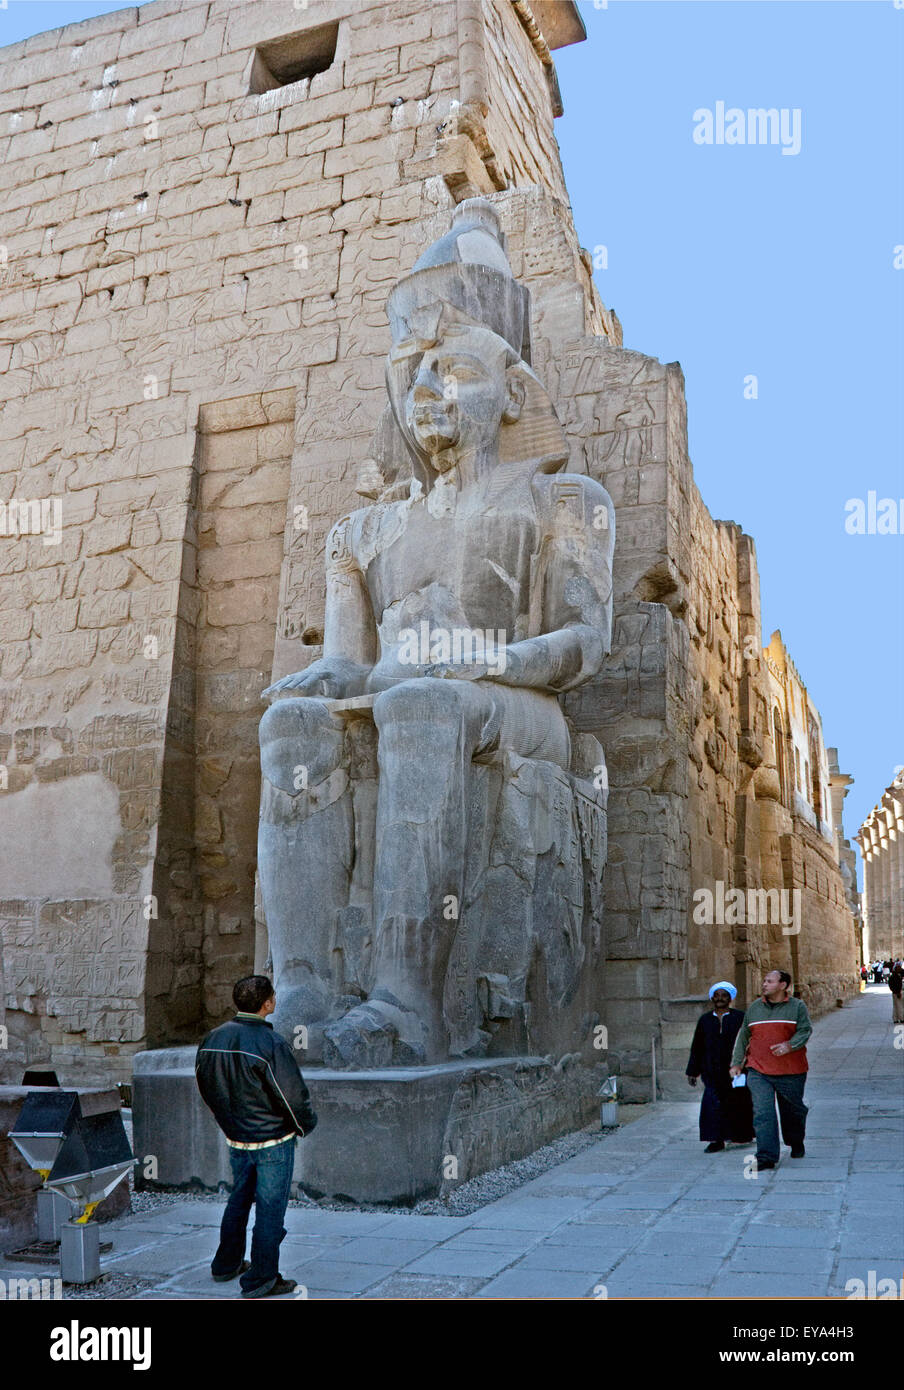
x=432, y=832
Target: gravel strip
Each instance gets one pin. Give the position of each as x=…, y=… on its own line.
x=461, y=1200
x=109, y=1286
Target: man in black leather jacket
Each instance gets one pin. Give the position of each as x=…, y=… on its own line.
x=248, y=1077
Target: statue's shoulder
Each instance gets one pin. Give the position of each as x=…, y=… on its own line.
x=572, y=496
x=355, y=536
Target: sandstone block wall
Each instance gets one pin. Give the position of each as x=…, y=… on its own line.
x=684, y=710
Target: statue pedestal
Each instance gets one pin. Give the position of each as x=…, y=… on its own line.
x=392, y=1136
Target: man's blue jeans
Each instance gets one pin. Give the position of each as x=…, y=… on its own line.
x=789, y=1092
x=261, y=1177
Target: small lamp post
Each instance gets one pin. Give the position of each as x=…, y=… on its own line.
x=81, y=1159
x=95, y=1156
x=609, y=1106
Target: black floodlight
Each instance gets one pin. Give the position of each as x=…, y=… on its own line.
x=43, y=1123
x=94, y=1157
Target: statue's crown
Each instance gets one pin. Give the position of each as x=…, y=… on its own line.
x=464, y=275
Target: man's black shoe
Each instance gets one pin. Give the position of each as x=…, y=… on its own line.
x=225, y=1278
x=798, y=1151
x=765, y=1163
x=280, y=1287
x=714, y=1147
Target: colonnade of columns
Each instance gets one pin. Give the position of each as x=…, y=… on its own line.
x=881, y=840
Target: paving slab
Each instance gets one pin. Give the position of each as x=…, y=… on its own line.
x=633, y=1201
x=860, y=1269
x=646, y=1290
x=304, y=1220
x=408, y=1285
x=473, y=1260
x=756, y=1259
x=538, y=1283
x=666, y=1269
x=379, y=1250
x=498, y=1237
x=692, y=1241
x=775, y=1284
x=164, y=1257
x=520, y=1216
x=870, y=1244
x=415, y=1226
x=197, y=1281
x=579, y=1258
x=335, y=1276
x=623, y=1217
x=790, y=1237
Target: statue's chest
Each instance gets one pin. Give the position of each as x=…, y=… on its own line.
x=468, y=550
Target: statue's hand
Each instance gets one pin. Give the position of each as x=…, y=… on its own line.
x=332, y=678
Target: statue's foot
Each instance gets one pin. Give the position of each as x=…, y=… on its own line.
x=300, y=1014
x=374, y=1034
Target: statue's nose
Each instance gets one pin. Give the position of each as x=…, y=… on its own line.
x=427, y=386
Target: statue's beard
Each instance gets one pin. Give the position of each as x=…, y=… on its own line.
x=435, y=428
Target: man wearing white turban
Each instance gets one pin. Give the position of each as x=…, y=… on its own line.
x=725, y=1110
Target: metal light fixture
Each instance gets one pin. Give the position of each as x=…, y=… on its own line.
x=40, y=1129
x=94, y=1157
x=81, y=1158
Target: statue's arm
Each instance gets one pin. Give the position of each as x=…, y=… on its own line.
x=349, y=631
x=573, y=588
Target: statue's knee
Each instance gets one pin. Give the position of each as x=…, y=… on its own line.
x=425, y=700
x=298, y=735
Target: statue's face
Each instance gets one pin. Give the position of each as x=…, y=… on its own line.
x=459, y=397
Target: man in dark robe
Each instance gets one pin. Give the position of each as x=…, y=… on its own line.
x=725, y=1111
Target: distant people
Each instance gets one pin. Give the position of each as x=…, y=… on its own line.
x=864, y=973
x=772, y=1042
x=725, y=1110
x=248, y=1076
x=896, y=985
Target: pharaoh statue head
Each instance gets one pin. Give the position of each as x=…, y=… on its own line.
x=458, y=374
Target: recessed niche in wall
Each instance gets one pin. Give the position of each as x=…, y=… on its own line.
x=293, y=58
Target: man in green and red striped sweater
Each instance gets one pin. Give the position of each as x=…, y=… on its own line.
x=772, y=1044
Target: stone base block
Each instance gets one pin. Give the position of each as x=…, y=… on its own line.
x=392, y=1136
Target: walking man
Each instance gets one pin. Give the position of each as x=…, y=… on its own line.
x=772, y=1043
x=248, y=1077
x=725, y=1109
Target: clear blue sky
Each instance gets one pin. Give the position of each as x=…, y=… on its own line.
x=738, y=260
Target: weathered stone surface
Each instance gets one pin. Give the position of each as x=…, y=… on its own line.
x=406, y=861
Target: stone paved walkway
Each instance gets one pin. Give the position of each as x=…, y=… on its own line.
x=643, y=1212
